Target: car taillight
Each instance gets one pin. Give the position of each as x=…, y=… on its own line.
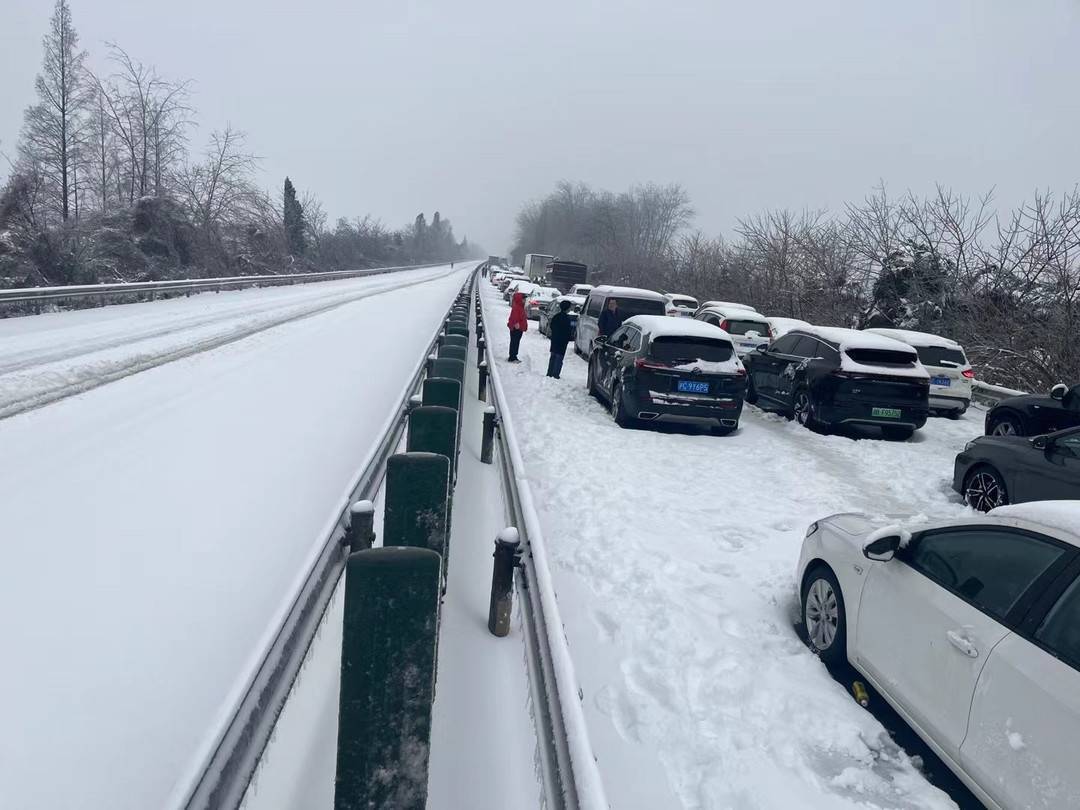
x=968, y=373
x=741, y=372
x=768, y=332
x=534, y=303
x=644, y=362
x=724, y=324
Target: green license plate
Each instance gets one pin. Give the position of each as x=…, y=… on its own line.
x=886, y=413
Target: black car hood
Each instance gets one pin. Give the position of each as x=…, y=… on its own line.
x=1025, y=402
x=1003, y=441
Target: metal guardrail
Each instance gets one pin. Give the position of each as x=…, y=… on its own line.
x=40, y=294
x=568, y=766
x=987, y=394
x=221, y=779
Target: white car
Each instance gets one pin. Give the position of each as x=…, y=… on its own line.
x=749, y=329
x=970, y=629
x=681, y=305
x=951, y=374
x=781, y=326
x=518, y=286
x=537, y=299
x=723, y=304
x=581, y=289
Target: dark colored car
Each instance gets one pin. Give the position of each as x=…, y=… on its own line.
x=659, y=369
x=552, y=309
x=824, y=377
x=1034, y=415
x=997, y=470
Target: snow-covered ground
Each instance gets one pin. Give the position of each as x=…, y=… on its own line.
x=154, y=527
x=674, y=555
x=46, y=357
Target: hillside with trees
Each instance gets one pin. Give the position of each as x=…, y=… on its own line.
x=106, y=186
x=1007, y=286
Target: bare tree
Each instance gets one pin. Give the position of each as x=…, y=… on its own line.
x=219, y=189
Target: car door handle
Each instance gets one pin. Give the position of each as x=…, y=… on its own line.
x=962, y=644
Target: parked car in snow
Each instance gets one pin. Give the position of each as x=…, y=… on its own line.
x=581, y=289
x=1032, y=415
x=538, y=299
x=826, y=376
x=994, y=471
x=950, y=372
x=552, y=309
x=749, y=329
x=781, y=326
x=631, y=301
x=658, y=369
x=681, y=305
x=723, y=304
x=508, y=279
x=518, y=286
x=970, y=629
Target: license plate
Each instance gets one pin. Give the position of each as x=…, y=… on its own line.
x=940, y=381
x=748, y=345
x=693, y=387
x=885, y=413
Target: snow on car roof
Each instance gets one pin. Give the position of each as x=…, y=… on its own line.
x=913, y=338
x=856, y=339
x=663, y=326
x=547, y=290
x=680, y=297
x=726, y=304
x=574, y=299
x=1061, y=515
x=628, y=292
x=738, y=312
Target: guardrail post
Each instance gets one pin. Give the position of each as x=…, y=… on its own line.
x=479, y=334
x=388, y=659
x=487, y=443
x=431, y=358
x=361, y=533
x=482, y=381
x=507, y=556
x=417, y=497
x=481, y=345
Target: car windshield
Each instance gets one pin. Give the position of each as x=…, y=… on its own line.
x=941, y=356
x=688, y=350
x=684, y=302
x=629, y=307
x=736, y=327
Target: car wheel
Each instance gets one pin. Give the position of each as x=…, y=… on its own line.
x=984, y=488
x=802, y=407
x=618, y=408
x=824, y=616
x=591, y=381
x=897, y=433
x=751, y=392
x=1006, y=425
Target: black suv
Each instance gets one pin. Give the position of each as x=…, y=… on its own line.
x=655, y=368
x=1034, y=415
x=826, y=377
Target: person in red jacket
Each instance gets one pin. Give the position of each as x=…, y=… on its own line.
x=518, y=324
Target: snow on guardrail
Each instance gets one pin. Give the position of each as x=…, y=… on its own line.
x=987, y=394
x=586, y=774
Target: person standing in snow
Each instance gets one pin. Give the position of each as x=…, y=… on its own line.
x=610, y=319
x=560, y=328
x=518, y=324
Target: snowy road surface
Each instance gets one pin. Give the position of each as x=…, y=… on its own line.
x=674, y=556
x=153, y=527
x=48, y=357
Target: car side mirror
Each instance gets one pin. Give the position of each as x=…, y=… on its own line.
x=1059, y=391
x=882, y=549
x=762, y=347
x=600, y=340
x=1042, y=442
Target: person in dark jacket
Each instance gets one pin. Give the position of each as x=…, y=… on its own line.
x=518, y=324
x=560, y=329
x=610, y=319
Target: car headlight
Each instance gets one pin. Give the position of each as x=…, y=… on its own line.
x=811, y=529
x=970, y=444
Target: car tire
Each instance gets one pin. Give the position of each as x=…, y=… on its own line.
x=751, y=392
x=984, y=488
x=590, y=383
x=1005, y=424
x=897, y=433
x=802, y=408
x=824, y=616
x=618, y=408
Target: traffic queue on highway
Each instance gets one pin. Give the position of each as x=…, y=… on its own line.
x=985, y=665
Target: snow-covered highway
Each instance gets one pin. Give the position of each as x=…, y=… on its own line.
x=153, y=528
x=674, y=554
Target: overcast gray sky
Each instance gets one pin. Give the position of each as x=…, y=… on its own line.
x=474, y=106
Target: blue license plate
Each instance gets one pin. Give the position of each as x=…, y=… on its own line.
x=941, y=381
x=693, y=387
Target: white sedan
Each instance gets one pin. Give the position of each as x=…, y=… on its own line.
x=970, y=629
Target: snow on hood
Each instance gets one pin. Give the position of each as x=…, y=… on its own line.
x=1061, y=515
x=913, y=338
x=662, y=326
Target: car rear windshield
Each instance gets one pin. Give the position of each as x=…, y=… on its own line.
x=941, y=356
x=629, y=307
x=881, y=357
x=677, y=350
x=684, y=302
x=742, y=327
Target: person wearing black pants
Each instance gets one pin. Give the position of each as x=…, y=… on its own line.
x=518, y=325
x=560, y=328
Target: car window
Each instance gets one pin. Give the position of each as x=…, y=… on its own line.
x=633, y=339
x=741, y=327
x=710, y=318
x=989, y=567
x=620, y=338
x=1071, y=442
x=941, y=356
x=785, y=344
x=680, y=350
x=1060, y=630
x=592, y=306
x=804, y=347
x=629, y=307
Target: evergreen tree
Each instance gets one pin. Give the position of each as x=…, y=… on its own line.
x=51, y=128
x=295, y=229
